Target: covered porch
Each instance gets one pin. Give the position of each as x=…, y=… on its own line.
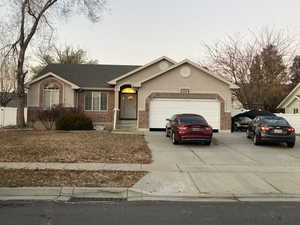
x=126, y=107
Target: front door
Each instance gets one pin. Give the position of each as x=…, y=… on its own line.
x=128, y=106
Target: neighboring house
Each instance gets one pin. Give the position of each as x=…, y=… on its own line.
x=13, y=100
x=147, y=95
x=236, y=104
x=291, y=103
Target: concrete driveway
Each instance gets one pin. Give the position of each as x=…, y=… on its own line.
x=231, y=166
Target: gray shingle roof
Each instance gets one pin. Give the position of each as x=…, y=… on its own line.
x=88, y=75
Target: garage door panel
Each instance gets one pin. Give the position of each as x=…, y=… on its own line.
x=161, y=109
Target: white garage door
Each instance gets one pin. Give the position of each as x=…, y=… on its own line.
x=162, y=109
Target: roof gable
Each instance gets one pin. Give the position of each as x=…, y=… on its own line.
x=114, y=81
x=187, y=61
x=285, y=101
x=294, y=99
x=74, y=86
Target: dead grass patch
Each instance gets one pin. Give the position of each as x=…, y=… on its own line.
x=78, y=146
x=69, y=178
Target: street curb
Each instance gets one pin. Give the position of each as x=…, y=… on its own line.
x=77, y=194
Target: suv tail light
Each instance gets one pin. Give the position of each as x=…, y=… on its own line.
x=264, y=128
x=290, y=129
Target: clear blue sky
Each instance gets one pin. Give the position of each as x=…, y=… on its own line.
x=137, y=31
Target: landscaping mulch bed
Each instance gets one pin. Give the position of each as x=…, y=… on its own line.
x=77, y=146
x=69, y=178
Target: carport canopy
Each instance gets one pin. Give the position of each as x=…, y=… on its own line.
x=254, y=113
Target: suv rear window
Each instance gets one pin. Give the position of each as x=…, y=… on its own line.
x=192, y=120
x=275, y=122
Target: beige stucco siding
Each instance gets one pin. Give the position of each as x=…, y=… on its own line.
x=68, y=96
x=198, y=82
x=145, y=73
x=295, y=104
x=33, y=95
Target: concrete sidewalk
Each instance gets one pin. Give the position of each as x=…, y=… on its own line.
x=73, y=166
x=154, y=167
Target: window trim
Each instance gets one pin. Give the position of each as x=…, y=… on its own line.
x=92, y=103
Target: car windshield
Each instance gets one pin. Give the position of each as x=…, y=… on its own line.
x=275, y=122
x=192, y=120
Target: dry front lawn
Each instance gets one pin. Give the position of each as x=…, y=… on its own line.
x=78, y=146
x=69, y=178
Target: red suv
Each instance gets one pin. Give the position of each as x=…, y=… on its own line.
x=188, y=128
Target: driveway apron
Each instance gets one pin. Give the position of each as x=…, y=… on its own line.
x=231, y=166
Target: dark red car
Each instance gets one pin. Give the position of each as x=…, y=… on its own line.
x=189, y=128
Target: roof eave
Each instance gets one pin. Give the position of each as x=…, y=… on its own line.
x=282, y=103
x=234, y=86
x=98, y=88
x=74, y=86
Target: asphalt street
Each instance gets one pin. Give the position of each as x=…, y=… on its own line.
x=148, y=213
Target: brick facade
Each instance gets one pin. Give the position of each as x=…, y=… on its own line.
x=98, y=116
x=102, y=117
x=225, y=117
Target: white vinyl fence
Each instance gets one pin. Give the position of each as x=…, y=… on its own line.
x=8, y=116
x=293, y=119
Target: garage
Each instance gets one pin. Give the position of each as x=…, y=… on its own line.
x=163, y=108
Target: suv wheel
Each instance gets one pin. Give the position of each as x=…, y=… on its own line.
x=291, y=144
x=255, y=140
x=207, y=142
x=174, y=141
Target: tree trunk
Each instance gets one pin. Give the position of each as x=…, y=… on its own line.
x=20, y=92
x=20, y=106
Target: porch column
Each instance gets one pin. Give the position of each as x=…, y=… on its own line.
x=116, y=107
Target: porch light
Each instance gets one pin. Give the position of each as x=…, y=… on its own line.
x=128, y=91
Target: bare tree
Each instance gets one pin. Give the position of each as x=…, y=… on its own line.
x=7, y=73
x=7, y=82
x=28, y=18
x=66, y=55
x=234, y=56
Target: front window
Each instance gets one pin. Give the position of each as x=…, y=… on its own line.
x=95, y=101
x=51, y=96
